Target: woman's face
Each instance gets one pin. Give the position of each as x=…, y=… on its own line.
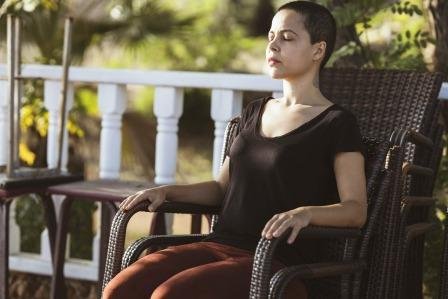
x=290, y=45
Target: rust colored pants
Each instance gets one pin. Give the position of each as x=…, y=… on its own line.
x=200, y=270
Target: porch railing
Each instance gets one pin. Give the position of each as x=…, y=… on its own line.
x=226, y=102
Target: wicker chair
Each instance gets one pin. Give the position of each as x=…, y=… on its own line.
x=406, y=104
x=380, y=159
x=400, y=106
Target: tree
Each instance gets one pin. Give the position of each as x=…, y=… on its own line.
x=439, y=12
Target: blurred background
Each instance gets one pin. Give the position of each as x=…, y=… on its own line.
x=190, y=35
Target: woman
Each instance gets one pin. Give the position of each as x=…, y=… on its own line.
x=295, y=161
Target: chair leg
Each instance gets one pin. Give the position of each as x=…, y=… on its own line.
x=158, y=226
x=50, y=220
x=108, y=210
x=58, y=290
x=4, y=249
x=196, y=222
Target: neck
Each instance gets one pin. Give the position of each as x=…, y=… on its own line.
x=303, y=90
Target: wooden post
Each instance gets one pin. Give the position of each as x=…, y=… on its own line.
x=65, y=65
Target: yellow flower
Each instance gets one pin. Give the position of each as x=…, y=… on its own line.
x=26, y=154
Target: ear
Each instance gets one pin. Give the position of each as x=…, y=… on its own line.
x=319, y=50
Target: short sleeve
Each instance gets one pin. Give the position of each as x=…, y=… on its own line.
x=243, y=118
x=347, y=135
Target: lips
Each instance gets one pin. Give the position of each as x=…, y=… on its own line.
x=273, y=61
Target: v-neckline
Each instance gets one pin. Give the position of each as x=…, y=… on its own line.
x=299, y=128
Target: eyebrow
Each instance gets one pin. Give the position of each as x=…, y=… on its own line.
x=284, y=30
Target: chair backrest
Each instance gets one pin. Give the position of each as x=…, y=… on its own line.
x=384, y=100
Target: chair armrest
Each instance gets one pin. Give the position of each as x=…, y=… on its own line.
x=185, y=208
x=418, y=201
x=409, y=202
x=115, y=247
x=329, y=232
x=411, y=168
x=281, y=278
x=401, y=136
x=418, y=229
x=136, y=248
x=265, y=252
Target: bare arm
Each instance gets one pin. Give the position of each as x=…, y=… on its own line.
x=350, y=212
x=351, y=182
x=204, y=193
x=210, y=193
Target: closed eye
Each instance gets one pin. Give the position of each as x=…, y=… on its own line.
x=284, y=38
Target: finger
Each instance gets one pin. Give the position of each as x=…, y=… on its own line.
x=140, y=197
x=268, y=225
x=126, y=201
x=282, y=227
x=275, y=226
x=152, y=207
x=295, y=231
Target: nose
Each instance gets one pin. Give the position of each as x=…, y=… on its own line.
x=273, y=46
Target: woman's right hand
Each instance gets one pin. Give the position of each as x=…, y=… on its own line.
x=155, y=196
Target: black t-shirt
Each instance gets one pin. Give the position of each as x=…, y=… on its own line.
x=273, y=175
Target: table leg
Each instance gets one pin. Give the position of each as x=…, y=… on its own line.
x=50, y=220
x=4, y=249
x=58, y=290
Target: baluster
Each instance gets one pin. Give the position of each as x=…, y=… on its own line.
x=4, y=123
x=277, y=94
x=168, y=107
x=112, y=104
x=45, y=250
x=14, y=231
x=225, y=105
x=52, y=91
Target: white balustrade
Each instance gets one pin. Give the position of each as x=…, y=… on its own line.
x=443, y=94
x=277, y=94
x=45, y=249
x=4, y=123
x=225, y=105
x=168, y=106
x=14, y=230
x=52, y=98
x=112, y=103
x=226, y=102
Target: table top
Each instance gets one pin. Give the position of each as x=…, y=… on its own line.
x=105, y=190
x=11, y=187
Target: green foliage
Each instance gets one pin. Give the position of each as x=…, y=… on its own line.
x=433, y=254
x=30, y=219
x=86, y=101
x=144, y=100
x=406, y=8
x=370, y=19
x=81, y=229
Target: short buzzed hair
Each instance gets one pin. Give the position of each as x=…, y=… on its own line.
x=318, y=21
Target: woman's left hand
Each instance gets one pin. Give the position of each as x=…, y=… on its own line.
x=297, y=219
